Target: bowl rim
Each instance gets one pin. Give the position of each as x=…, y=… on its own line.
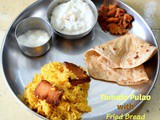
x=44, y=21
x=90, y=4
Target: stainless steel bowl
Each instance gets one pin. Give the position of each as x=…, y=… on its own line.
x=71, y=36
x=33, y=23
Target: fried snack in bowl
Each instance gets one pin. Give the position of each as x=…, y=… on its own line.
x=114, y=19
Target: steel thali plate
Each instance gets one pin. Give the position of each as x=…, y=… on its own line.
x=18, y=70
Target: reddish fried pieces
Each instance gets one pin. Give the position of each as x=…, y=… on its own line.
x=76, y=70
x=54, y=97
x=79, y=72
x=75, y=82
x=44, y=90
x=114, y=19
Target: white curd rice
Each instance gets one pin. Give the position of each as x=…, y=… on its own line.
x=34, y=38
x=73, y=17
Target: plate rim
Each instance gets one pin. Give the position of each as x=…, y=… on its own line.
x=2, y=69
x=38, y=115
x=158, y=52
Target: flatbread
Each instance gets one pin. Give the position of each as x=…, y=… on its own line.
x=99, y=70
x=127, y=51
